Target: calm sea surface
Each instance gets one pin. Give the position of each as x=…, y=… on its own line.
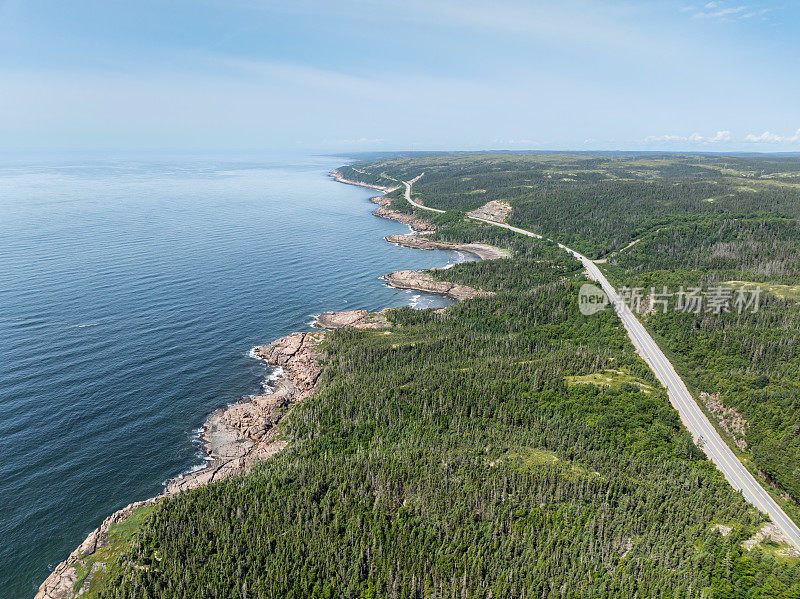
x=130, y=294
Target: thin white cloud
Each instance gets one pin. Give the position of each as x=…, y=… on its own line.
x=514, y=141
x=665, y=138
x=720, y=136
x=361, y=141
x=769, y=137
x=720, y=11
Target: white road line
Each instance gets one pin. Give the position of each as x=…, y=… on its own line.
x=692, y=416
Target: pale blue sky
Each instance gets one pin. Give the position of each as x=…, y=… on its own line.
x=399, y=74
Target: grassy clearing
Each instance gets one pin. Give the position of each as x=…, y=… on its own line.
x=788, y=292
x=535, y=458
x=731, y=172
x=609, y=378
x=774, y=547
x=529, y=457
x=780, y=552
x=105, y=561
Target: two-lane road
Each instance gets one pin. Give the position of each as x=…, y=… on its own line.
x=692, y=416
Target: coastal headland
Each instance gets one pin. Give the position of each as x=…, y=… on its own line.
x=240, y=435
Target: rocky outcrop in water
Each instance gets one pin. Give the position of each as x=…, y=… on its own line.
x=298, y=356
x=420, y=281
x=384, y=202
x=242, y=434
x=356, y=319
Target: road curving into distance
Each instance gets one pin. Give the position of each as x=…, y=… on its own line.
x=692, y=416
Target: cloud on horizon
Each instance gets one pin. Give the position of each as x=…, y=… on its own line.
x=768, y=137
x=721, y=136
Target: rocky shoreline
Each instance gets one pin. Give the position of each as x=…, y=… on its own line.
x=357, y=319
x=337, y=176
x=234, y=439
x=244, y=433
x=483, y=251
x=421, y=281
x=384, y=211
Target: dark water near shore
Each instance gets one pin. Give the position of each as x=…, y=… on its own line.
x=130, y=294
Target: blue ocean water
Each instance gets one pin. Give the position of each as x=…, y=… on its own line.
x=130, y=294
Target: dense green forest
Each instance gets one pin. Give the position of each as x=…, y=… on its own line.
x=751, y=359
x=596, y=204
x=353, y=173
x=694, y=220
x=472, y=452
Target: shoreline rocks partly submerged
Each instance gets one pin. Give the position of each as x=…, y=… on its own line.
x=421, y=281
x=357, y=319
x=234, y=439
x=244, y=433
